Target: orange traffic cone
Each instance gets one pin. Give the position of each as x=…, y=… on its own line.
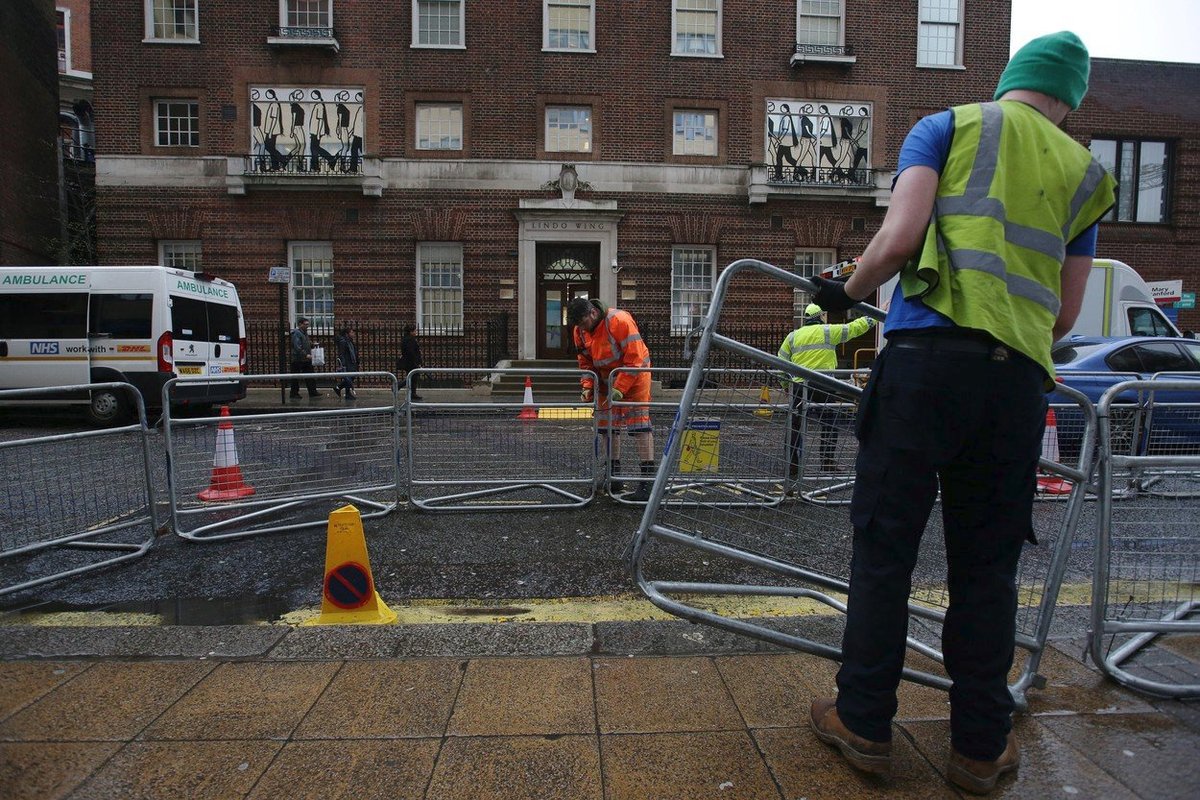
x=226, y=482
x=1051, y=484
x=529, y=411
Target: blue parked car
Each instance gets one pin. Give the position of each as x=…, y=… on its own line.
x=1092, y=364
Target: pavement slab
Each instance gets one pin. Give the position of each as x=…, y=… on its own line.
x=180, y=771
x=392, y=769
x=243, y=700
x=647, y=695
x=49, y=770
x=385, y=700
x=513, y=696
x=23, y=682
x=106, y=702
x=517, y=768
x=724, y=764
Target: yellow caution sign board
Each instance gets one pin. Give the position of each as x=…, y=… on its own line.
x=701, y=451
x=348, y=596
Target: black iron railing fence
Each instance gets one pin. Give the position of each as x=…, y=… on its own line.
x=482, y=343
x=479, y=343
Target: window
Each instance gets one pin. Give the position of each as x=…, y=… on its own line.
x=440, y=287
x=1148, y=322
x=939, y=33
x=568, y=128
x=306, y=13
x=59, y=315
x=696, y=28
x=438, y=23
x=569, y=25
x=312, y=283
x=172, y=20
x=1142, y=170
x=695, y=133
x=121, y=316
x=439, y=126
x=64, y=39
x=819, y=22
x=692, y=271
x=1150, y=358
x=177, y=123
x=197, y=321
x=807, y=264
x=180, y=254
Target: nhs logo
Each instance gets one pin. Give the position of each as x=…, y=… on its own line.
x=43, y=348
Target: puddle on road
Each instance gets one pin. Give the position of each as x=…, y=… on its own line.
x=248, y=610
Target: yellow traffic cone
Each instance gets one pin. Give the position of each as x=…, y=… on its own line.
x=348, y=595
x=764, y=409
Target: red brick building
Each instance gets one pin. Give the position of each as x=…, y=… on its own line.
x=408, y=160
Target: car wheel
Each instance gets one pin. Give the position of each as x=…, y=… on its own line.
x=108, y=407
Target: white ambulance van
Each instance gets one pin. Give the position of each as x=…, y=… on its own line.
x=63, y=326
x=1116, y=302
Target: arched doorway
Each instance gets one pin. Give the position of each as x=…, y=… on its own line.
x=565, y=270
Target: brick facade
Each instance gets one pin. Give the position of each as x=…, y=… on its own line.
x=483, y=195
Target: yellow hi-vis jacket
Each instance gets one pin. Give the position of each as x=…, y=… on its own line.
x=814, y=346
x=1015, y=190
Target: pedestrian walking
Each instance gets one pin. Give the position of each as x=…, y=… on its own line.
x=302, y=347
x=992, y=228
x=814, y=346
x=410, y=359
x=606, y=339
x=347, y=355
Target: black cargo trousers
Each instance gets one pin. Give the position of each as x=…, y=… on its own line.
x=968, y=415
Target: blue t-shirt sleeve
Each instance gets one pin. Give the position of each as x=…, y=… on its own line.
x=1085, y=243
x=928, y=143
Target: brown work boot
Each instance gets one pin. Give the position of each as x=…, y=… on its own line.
x=863, y=754
x=979, y=777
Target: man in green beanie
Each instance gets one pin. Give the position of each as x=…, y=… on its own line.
x=992, y=228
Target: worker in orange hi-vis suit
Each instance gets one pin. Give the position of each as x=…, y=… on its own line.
x=607, y=339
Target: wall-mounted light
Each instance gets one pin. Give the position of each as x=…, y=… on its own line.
x=616, y=264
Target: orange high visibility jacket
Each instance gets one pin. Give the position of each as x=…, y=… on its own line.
x=614, y=342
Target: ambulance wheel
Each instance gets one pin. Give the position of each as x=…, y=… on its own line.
x=108, y=407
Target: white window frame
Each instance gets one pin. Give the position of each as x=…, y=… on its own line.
x=417, y=130
x=958, y=38
x=321, y=320
x=819, y=258
x=190, y=251
x=149, y=19
x=462, y=27
x=546, y=4
x=720, y=12
x=423, y=321
x=158, y=101
x=841, y=33
x=283, y=16
x=591, y=129
x=678, y=329
x=716, y=131
x=66, y=12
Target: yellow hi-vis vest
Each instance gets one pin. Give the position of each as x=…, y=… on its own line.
x=815, y=346
x=1014, y=191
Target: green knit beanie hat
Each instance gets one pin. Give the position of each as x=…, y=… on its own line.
x=1056, y=64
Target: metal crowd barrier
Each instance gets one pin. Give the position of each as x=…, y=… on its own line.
x=259, y=473
x=60, y=518
x=710, y=468
x=1147, y=559
x=801, y=547
x=504, y=455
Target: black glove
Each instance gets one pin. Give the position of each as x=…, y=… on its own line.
x=831, y=294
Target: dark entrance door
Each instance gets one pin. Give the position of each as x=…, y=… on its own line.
x=565, y=270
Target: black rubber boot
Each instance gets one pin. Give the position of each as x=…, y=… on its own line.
x=642, y=493
x=615, y=485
